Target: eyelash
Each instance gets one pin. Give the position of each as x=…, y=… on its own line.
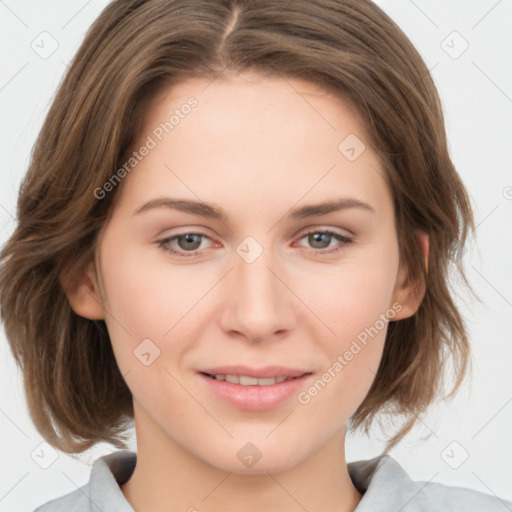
x=344, y=240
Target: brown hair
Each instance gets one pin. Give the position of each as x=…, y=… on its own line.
x=75, y=392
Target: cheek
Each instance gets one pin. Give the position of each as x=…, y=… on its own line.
x=146, y=295
x=151, y=305
x=355, y=298
x=357, y=307
x=351, y=360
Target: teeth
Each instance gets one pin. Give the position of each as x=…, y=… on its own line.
x=266, y=382
x=244, y=380
x=247, y=381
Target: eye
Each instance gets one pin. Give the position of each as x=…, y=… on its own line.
x=188, y=244
x=321, y=240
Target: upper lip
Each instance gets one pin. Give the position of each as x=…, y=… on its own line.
x=258, y=373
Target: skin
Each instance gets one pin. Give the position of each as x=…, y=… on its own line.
x=256, y=147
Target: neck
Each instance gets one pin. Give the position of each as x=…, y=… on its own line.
x=167, y=477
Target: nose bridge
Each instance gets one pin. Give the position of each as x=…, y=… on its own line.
x=255, y=281
x=258, y=302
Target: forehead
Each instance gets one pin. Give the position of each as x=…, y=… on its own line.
x=293, y=103
x=254, y=141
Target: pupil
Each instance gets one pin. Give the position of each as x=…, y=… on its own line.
x=318, y=238
x=189, y=239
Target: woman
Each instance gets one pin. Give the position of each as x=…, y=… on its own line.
x=299, y=148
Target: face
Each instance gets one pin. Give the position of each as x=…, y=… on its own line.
x=287, y=305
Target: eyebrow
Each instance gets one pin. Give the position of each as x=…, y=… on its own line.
x=215, y=212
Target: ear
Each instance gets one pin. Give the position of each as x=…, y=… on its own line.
x=407, y=293
x=82, y=290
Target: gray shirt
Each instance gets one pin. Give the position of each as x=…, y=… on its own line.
x=385, y=486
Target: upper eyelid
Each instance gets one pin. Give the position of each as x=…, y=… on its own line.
x=301, y=234
x=201, y=229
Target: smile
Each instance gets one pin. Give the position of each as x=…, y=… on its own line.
x=254, y=389
x=245, y=380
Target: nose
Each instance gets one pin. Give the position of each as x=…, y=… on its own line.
x=258, y=304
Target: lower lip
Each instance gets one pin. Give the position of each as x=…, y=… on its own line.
x=256, y=398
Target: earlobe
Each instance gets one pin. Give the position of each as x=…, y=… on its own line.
x=407, y=293
x=83, y=293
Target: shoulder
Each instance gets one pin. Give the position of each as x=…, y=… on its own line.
x=102, y=491
x=387, y=487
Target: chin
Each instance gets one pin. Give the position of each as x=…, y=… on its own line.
x=256, y=458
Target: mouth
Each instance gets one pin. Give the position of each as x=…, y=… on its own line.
x=246, y=380
x=254, y=389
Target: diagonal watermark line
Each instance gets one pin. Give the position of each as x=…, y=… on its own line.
x=492, y=81
x=305, y=194
x=284, y=78
x=199, y=403
x=377, y=172
x=12, y=488
x=75, y=15
x=14, y=424
x=5, y=5
x=419, y=419
x=185, y=314
x=426, y=483
x=286, y=491
x=14, y=76
x=281, y=422
x=410, y=410
x=213, y=79
x=495, y=495
x=7, y=211
x=488, y=215
x=301, y=300
x=483, y=277
x=503, y=407
x=102, y=306
x=424, y=14
x=82, y=491
x=482, y=18
x=217, y=486
x=168, y=168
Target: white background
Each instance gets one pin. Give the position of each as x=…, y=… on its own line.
x=476, y=92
